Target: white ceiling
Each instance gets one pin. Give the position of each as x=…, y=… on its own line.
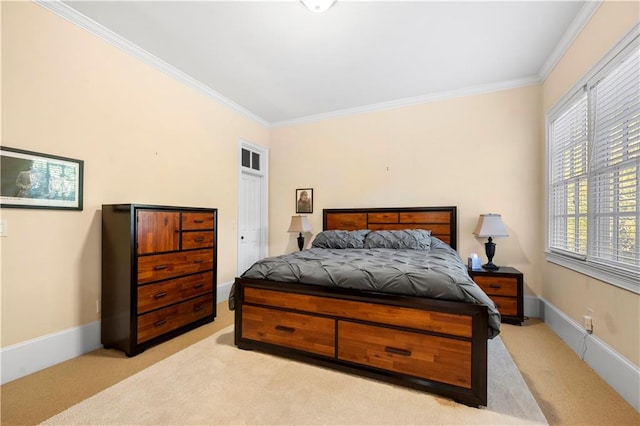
x=280, y=63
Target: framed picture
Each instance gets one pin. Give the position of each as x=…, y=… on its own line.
x=30, y=180
x=304, y=200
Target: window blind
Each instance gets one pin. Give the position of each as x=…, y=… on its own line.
x=615, y=164
x=569, y=156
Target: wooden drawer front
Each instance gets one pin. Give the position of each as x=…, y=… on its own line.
x=173, y=317
x=193, y=240
x=506, y=305
x=457, y=325
x=157, y=231
x=303, y=332
x=162, y=266
x=429, y=357
x=347, y=221
x=499, y=286
x=154, y=296
x=197, y=221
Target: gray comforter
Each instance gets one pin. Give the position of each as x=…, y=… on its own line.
x=436, y=273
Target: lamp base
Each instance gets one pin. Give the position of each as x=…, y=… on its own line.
x=300, y=241
x=490, y=267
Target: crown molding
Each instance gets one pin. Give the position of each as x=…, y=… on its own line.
x=435, y=97
x=578, y=23
x=88, y=24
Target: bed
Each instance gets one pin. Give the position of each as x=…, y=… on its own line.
x=304, y=306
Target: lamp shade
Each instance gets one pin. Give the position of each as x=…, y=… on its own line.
x=299, y=224
x=490, y=225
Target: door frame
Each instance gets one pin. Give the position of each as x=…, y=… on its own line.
x=263, y=173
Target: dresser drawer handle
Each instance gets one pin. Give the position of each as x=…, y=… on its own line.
x=198, y=308
x=160, y=267
x=495, y=286
x=285, y=329
x=198, y=221
x=397, y=351
x=497, y=305
x=198, y=240
x=160, y=295
x=198, y=285
x=159, y=323
x=198, y=261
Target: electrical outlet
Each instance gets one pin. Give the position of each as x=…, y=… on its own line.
x=587, y=323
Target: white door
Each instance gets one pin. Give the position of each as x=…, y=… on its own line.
x=252, y=206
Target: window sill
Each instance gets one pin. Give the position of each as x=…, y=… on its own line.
x=607, y=275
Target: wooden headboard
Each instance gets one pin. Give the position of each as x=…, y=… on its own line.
x=441, y=221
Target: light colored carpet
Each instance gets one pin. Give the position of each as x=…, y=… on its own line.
x=213, y=382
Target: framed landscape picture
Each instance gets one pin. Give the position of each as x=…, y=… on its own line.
x=32, y=180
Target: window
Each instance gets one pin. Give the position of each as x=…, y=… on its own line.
x=593, y=172
x=250, y=159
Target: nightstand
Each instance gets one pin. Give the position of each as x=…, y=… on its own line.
x=504, y=287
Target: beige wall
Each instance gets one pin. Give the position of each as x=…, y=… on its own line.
x=616, y=312
x=144, y=138
x=479, y=153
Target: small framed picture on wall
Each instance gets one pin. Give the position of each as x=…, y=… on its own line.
x=304, y=200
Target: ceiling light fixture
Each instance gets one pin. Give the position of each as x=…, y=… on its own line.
x=318, y=6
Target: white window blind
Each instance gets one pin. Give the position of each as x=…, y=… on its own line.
x=615, y=164
x=594, y=168
x=569, y=178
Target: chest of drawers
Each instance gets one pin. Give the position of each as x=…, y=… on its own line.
x=504, y=287
x=158, y=273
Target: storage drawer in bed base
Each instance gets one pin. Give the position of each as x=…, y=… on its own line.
x=401, y=355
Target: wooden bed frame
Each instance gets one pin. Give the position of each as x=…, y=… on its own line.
x=432, y=345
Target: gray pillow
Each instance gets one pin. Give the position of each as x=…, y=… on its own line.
x=417, y=239
x=337, y=239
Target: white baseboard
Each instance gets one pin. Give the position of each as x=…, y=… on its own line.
x=33, y=355
x=621, y=374
x=36, y=354
x=223, y=291
x=532, y=306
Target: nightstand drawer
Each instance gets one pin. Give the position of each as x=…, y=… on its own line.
x=506, y=305
x=418, y=355
x=499, y=286
x=505, y=287
x=298, y=331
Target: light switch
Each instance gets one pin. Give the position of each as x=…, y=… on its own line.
x=3, y=228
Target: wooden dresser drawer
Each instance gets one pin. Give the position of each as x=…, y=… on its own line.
x=402, y=317
x=162, y=266
x=197, y=239
x=173, y=317
x=154, y=296
x=304, y=332
x=499, y=286
x=430, y=357
x=506, y=305
x=197, y=221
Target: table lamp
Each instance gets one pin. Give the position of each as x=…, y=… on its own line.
x=490, y=225
x=299, y=224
